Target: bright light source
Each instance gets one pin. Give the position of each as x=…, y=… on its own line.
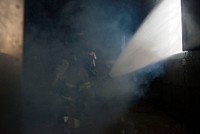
x=159, y=37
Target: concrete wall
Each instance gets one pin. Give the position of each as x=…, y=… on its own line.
x=177, y=90
x=11, y=34
x=11, y=26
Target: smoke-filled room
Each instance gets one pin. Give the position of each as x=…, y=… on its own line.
x=100, y=66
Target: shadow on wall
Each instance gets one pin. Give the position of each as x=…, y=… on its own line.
x=177, y=90
x=191, y=21
x=10, y=85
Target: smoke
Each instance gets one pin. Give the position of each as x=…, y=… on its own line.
x=117, y=96
x=99, y=25
x=159, y=37
x=53, y=35
x=56, y=30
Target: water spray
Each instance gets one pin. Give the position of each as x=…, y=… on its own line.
x=159, y=37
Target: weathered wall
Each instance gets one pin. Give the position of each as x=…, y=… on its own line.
x=11, y=26
x=11, y=35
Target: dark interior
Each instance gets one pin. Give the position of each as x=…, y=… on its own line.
x=53, y=89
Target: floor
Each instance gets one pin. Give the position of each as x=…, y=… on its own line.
x=147, y=119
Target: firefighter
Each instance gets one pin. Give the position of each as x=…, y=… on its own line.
x=76, y=89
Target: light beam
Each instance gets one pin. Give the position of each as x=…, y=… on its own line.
x=159, y=37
